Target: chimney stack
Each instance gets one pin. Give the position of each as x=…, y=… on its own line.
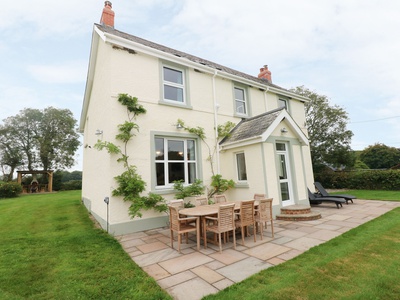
x=107, y=17
x=265, y=74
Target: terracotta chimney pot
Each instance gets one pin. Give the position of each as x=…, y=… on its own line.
x=265, y=74
x=107, y=17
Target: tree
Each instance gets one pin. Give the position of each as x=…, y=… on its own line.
x=327, y=129
x=44, y=139
x=380, y=156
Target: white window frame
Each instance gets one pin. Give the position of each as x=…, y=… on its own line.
x=186, y=161
x=174, y=84
x=239, y=168
x=244, y=101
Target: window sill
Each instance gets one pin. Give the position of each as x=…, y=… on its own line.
x=177, y=104
x=242, y=185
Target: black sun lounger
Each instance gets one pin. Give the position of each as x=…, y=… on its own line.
x=314, y=199
x=324, y=193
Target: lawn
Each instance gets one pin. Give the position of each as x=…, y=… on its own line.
x=50, y=249
x=373, y=194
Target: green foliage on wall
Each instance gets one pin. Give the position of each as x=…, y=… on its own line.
x=130, y=183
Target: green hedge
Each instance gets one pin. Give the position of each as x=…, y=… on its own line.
x=10, y=189
x=71, y=185
x=388, y=180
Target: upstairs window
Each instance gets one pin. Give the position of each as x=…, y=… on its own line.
x=173, y=84
x=240, y=101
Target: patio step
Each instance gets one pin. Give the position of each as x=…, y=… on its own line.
x=298, y=213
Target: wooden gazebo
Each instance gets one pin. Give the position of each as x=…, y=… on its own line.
x=35, y=187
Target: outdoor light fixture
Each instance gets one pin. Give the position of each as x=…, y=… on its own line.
x=179, y=126
x=98, y=132
x=284, y=130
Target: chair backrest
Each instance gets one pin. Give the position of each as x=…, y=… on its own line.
x=226, y=217
x=321, y=189
x=247, y=212
x=177, y=203
x=220, y=198
x=259, y=196
x=311, y=196
x=201, y=201
x=174, y=217
x=265, y=209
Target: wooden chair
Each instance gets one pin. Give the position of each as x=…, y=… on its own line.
x=182, y=226
x=201, y=201
x=259, y=196
x=177, y=203
x=246, y=217
x=264, y=215
x=224, y=222
x=220, y=198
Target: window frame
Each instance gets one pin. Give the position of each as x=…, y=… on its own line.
x=245, y=101
x=283, y=100
x=239, y=168
x=184, y=86
x=166, y=160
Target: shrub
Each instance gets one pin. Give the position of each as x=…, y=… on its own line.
x=388, y=180
x=10, y=189
x=71, y=185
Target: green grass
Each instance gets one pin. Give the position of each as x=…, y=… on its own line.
x=373, y=195
x=50, y=249
x=360, y=264
x=363, y=263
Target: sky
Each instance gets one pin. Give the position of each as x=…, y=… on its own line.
x=347, y=50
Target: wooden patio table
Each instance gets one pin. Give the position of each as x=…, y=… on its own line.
x=203, y=211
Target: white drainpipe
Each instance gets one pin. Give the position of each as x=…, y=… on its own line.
x=216, y=106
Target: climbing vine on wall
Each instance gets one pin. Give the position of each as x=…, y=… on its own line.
x=218, y=184
x=130, y=183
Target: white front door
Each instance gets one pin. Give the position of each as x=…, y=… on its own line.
x=284, y=174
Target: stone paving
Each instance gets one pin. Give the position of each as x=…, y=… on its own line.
x=194, y=274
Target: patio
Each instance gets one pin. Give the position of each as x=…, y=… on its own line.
x=194, y=274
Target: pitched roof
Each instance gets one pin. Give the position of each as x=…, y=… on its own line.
x=252, y=127
x=192, y=58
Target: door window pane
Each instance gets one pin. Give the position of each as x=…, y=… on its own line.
x=285, y=191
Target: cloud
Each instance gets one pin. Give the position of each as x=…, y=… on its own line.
x=65, y=73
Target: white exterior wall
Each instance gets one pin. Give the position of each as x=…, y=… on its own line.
x=139, y=75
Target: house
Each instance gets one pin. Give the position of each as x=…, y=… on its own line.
x=267, y=151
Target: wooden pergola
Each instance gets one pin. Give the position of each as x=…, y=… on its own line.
x=45, y=188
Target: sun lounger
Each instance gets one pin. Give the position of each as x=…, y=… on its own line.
x=324, y=193
x=314, y=199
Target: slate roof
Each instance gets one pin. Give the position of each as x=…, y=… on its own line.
x=113, y=31
x=252, y=127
